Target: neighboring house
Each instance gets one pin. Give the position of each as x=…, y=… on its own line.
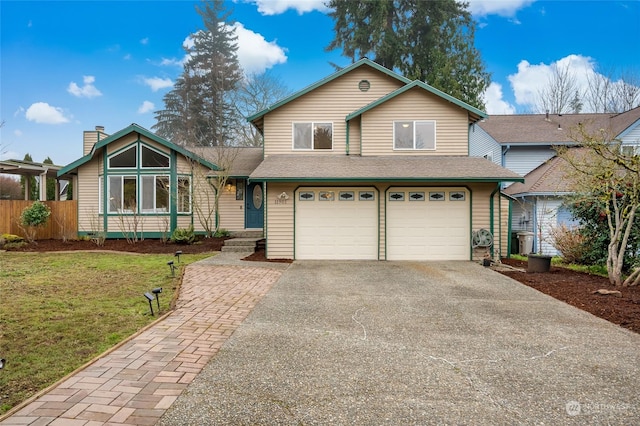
x=136, y=183
x=366, y=164
x=525, y=144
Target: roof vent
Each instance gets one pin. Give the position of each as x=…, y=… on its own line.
x=547, y=116
x=364, y=85
x=559, y=127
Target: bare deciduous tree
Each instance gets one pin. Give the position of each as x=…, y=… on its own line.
x=606, y=94
x=606, y=175
x=561, y=94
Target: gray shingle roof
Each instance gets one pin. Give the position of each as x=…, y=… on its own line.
x=244, y=160
x=551, y=177
x=535, y=128
x=382, y=168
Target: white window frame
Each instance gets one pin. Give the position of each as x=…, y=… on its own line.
x=313, y=125
x=158, y=152
x=141, y=192
x=190, y=195
x=121, y=209
x=414, y=124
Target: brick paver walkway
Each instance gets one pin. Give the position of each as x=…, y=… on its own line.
x=138, y=382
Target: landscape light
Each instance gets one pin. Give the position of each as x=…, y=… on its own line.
x=157, y=292
x=178, y=253
x=173, y=268
x=149, y=298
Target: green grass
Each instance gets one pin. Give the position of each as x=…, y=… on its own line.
x=59, y=310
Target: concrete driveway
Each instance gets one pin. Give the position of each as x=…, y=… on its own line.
x=389, y=343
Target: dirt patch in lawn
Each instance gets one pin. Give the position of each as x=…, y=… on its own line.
x=577, y=289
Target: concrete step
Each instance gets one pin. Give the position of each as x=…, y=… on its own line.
x=248, y=242
x=247, y=234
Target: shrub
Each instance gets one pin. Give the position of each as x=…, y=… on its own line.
x=37, y=214
x=221, y=233
x=183, y=235
x=10, y=238
x=569, y=242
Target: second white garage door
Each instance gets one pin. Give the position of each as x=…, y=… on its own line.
x=428, y=224
x=336, y=223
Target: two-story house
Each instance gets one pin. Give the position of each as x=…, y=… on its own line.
x=526, y=144
x=366, y=164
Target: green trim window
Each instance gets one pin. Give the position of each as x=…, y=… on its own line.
x=155, y=194
x=128, y=158
x=414, y=135
x=184, y=194
x=312, y=136
x=123, y=194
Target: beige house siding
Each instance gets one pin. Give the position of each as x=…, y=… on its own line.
x=231, y=211
x=88, y=196
x=331, y=102
x=451, y=124
x=280, y=221
x=355, y=137
x=481, y=213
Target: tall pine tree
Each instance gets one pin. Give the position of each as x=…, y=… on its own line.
x=432, y=41
x=198, y=110
x=51, y=183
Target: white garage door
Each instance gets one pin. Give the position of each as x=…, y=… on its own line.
x=336, y=223
x=428, y=224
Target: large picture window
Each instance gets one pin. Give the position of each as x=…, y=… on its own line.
x=155, y=194
x=126, y=159
x=123, y=194
x=312, y=136
x=415, y=135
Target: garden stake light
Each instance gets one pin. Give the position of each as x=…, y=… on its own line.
x=150, y=298
x=157, y=292
x=178, y=253
x=173, y=268
x=2, y=363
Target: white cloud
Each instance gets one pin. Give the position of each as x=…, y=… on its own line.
x=506, y=8
x=255, y=54
x=17, y=132
x=146, y=107
x=144, y=41
x=9, y=155
x=531, y=79
x=171, y=62
x=42, y=112
x=86, y=91
x=276, y=7
x=494, y=102
x=157, y=83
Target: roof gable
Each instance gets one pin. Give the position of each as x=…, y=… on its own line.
x=474, y=113
x=257, y=118
x=134, y=128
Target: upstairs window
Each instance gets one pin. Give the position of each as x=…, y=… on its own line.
x=126, y=159
x=149, y=159
x=312, y=136
x=153, y=159
x=414, y=135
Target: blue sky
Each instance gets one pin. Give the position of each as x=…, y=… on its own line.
x=67, y=66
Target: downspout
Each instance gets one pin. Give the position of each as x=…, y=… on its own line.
x=347, y=148
x=505, y=149
x=509, y=230
x=492, y=196
x=105, y=195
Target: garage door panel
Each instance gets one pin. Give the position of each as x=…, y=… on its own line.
x=336, y=229
x=429, y=229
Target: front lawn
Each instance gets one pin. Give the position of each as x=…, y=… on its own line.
x=60, y=310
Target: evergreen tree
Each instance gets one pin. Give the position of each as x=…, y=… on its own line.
x=33, y=184
x=431, y=41
x=51, y=183
x=198, y=110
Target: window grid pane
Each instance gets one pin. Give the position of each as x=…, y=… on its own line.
x=425, y=135
x=125, y=159
x=302, y=136
x=184, y=195
x=322, y=136
x=153, y=159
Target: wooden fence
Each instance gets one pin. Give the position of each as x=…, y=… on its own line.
x=63, y=221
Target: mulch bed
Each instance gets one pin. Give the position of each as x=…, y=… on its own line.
x=576, y=289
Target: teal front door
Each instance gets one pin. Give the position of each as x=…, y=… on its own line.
x=254, y=206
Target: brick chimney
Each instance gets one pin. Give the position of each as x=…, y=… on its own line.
x=91, y=137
